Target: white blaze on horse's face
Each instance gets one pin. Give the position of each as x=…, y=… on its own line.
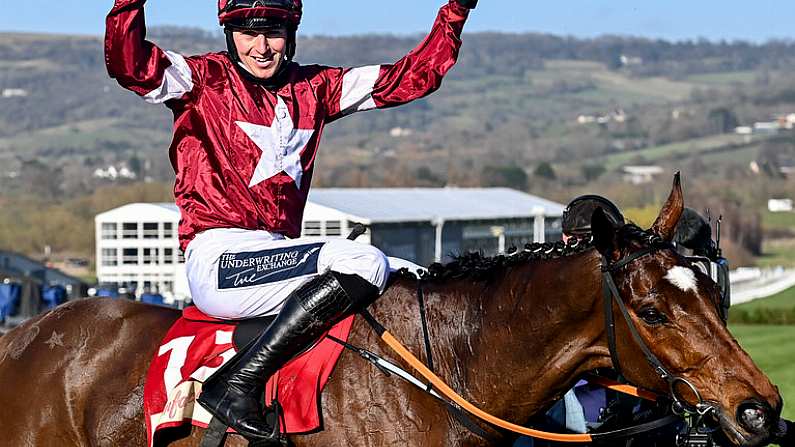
x=683, y=278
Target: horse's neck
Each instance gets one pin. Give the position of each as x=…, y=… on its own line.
x=525, y=337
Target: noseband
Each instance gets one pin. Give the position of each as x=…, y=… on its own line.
x=680, y=405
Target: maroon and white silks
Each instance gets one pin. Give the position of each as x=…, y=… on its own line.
x=243, y=155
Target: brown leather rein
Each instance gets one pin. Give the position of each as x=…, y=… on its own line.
x=610, y=294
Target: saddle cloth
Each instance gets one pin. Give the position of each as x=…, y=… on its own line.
x=197, y=345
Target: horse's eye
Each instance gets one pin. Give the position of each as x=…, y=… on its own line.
x=652, y=316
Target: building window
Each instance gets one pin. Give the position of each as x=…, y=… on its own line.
x=129, y=256
x=168, y=230
x=129, y=230
x=151, y=231
x=334, y=228
x=110, y=257
x=151, y=256
x=181, y=257
x=110, y=231
x=312, y=228
x=168, y=256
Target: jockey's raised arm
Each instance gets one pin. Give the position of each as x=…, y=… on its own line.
x=247, y=129
x=415, y=76
x=138, y=64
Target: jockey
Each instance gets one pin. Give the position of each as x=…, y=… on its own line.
x=247, y=128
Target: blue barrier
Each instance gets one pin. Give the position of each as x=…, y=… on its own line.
x=152, y=298
x=53, y=296
x=108, y=293
x=10, y=295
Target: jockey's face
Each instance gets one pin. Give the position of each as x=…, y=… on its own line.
x=262, y=51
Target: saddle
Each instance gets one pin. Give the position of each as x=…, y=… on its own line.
x=245, y=331
x=197, y=345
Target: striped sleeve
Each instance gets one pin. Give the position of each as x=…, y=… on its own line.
x=415, y=76
x=140, y=66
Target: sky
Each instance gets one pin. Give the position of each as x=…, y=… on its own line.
x=668, y=19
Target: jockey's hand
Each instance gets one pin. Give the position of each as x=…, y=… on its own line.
x=468, y=3
x=785, y=435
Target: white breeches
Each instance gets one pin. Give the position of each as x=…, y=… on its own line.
x=237, y=274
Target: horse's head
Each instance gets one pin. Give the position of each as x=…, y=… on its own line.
x=674, y=308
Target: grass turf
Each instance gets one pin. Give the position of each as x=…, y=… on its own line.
x=773, y=350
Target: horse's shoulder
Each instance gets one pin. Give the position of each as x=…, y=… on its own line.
x=399, y=287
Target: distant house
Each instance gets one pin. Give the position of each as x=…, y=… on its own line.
x=628, y=61
x=638, y=175
x=744, y=130
x=14, y=93
x=113, y=173
x=618, y=116
x=767, y=128
x=788, y=121
x=779, y=205
x=399, y=132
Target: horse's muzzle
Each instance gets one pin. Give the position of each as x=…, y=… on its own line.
x=755, y=416
x=758, y=420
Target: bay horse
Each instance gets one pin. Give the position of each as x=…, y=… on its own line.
x=510, y=333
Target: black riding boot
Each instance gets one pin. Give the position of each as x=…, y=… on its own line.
x=233, y=394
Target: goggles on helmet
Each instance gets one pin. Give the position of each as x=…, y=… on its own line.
x=259, y=13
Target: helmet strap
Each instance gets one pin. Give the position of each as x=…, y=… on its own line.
x=275, y=82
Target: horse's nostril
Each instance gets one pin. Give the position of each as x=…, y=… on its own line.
x=753, y=416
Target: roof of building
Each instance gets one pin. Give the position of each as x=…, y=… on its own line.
x=427, y=204
x=388, y=205
x=137, y=211
x=15, y=264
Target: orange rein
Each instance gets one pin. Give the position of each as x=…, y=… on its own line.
x=448, y=392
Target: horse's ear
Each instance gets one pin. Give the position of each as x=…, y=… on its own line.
x=605, y=235
x=665, y=225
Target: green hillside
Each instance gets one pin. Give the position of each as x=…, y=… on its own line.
x=566, y=105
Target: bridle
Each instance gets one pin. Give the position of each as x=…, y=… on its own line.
x=680, y=405
x=460, y=408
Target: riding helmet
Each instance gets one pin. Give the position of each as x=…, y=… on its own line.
x=261, y=15
x=577, y=216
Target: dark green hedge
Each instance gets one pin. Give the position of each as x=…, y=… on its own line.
x=762, y=315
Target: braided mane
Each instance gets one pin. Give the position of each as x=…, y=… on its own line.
x=479, y=267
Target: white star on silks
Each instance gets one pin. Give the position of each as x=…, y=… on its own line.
x=281, y=145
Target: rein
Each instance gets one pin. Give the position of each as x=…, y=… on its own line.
x=437, y=387
x=456, y=403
